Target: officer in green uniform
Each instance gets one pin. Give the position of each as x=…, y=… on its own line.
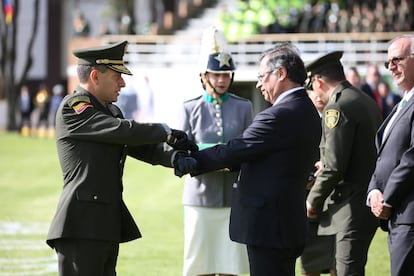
x=349, y=123
x=93, y=140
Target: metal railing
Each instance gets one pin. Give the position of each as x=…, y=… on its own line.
x=179, y=51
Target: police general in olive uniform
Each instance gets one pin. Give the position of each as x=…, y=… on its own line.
x=93, y=141
x=347, y=149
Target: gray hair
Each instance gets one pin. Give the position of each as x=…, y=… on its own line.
x=85, y=70
x=287, y=55
x=409, y=36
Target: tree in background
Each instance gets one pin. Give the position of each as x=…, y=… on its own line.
x=10, y=81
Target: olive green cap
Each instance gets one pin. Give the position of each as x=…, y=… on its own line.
x=329, y=61
x=109, y=55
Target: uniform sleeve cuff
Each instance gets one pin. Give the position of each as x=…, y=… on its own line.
x=167, y=129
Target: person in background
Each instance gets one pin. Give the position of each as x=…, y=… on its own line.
x=42, y=107
x=391, y=190
x=58, y=92
x=353, y=76
x=319, y=253
x=213, y=118
x=93, y=140
x=81, y=26
x=25, y=108
x=390, y=99
x=347, y=159
x=370, y=87
x=128, y=102
x=275, y=155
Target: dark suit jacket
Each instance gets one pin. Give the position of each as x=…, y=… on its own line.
x=276, y=153
x=394, y=172
x=365, y=87
x=92, y=143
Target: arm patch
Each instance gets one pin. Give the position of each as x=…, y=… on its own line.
x=78, y=99
x=80, y=107
x=331, y=118
x=79, y=103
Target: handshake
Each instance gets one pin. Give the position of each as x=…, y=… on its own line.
x=183, y=162
x=178, y=140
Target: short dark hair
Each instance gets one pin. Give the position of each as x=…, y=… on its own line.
x=287, y=55
x=334, y=73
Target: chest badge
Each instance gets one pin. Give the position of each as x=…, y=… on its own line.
x=331, y=118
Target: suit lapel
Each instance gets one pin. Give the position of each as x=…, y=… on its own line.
x=408, y=108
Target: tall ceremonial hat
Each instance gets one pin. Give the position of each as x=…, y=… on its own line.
x=109, y=55
x=215, y=57
x=330, y=61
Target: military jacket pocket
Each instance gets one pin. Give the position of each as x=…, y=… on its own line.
x=340, y=194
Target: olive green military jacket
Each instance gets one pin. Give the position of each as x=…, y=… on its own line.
x=347, y=149
x=92, y=143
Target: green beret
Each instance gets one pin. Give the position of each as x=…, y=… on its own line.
x=109, y=55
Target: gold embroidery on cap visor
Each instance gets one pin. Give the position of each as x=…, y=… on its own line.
x=331, y=118
x=120, y=69
x=308, y=81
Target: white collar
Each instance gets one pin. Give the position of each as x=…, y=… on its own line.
x=286, y=93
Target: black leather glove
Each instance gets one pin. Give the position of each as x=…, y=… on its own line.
x=179, y=141
x=183, y=164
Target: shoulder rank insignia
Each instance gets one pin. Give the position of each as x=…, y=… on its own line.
x=79, y=103
x=331, y=118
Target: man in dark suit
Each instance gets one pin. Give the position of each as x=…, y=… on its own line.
x=347, y=151
x=370, y=87
x=93, y=140
x=275, y=155
x=391, y=190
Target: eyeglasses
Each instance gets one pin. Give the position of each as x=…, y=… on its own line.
x=262, y=77
x=396, y=60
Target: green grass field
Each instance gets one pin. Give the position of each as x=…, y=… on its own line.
x=30, y=184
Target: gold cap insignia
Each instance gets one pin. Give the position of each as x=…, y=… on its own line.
x=331, y=118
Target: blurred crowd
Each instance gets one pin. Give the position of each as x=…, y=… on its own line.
x=37, y=110
x=250, y=17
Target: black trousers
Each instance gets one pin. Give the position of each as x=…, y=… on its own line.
x=79, y=257
x=266, y=261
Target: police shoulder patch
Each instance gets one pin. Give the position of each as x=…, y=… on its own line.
x=331, y=118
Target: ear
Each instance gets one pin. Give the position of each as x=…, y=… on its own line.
x=93, y=76
x=281, y=73
x=318, y=81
